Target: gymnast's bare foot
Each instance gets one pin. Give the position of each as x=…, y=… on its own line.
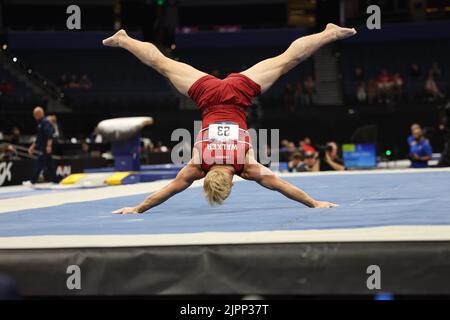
x=116, y=39
x=339, y=33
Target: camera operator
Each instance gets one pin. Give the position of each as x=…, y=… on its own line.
x=329, y=158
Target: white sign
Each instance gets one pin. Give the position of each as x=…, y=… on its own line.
x=5, y=172
x=223, y=132
x=63, y=171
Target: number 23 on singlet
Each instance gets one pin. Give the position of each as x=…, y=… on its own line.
x=223, y=132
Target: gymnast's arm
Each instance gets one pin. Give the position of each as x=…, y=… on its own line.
x=264, y=176
x=183, y=180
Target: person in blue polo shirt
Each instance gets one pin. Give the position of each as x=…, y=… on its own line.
x=420, y=151
x=43, y=145
x=411, y=138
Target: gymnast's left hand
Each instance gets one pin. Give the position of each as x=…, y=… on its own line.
x=126, y=210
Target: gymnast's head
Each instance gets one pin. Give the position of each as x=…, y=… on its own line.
x=217, y=184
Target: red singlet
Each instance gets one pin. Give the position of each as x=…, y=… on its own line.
x=223, y=104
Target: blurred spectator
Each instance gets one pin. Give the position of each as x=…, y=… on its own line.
x=63, y=81
x=85, y=150
x=73, y=82
x=431, y=88
x=420, y=151
x=161, y=147
x=288, y=146
x=85, y=82
x=295, y=162
x=372, y=91
x=5, y=88
x=15, y=137
x=361, y=92
x=291, y=147
x=283, y=145
x=397, y=87
x=310, y=163
x=8, y=153
x=147, y=144
x=384, y=84
x=310, y=91
x=415, y=71
x=306, y=145
x=329, y=158
x=436, y=70
x=289, y=97
x=298, y=96
x=359, y=74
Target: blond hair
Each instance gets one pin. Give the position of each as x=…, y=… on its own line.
x=217, y=186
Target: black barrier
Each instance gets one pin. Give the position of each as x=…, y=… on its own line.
x=301, y=269
x=16, y=171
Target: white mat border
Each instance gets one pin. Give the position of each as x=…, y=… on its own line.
x=372, y=234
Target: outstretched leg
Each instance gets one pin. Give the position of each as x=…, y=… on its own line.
x=180, y=74
x=268, y=71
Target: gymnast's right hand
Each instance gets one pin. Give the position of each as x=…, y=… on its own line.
x=126, y=210
x=324, y=204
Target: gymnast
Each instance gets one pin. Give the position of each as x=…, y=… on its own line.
x=222, y=148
